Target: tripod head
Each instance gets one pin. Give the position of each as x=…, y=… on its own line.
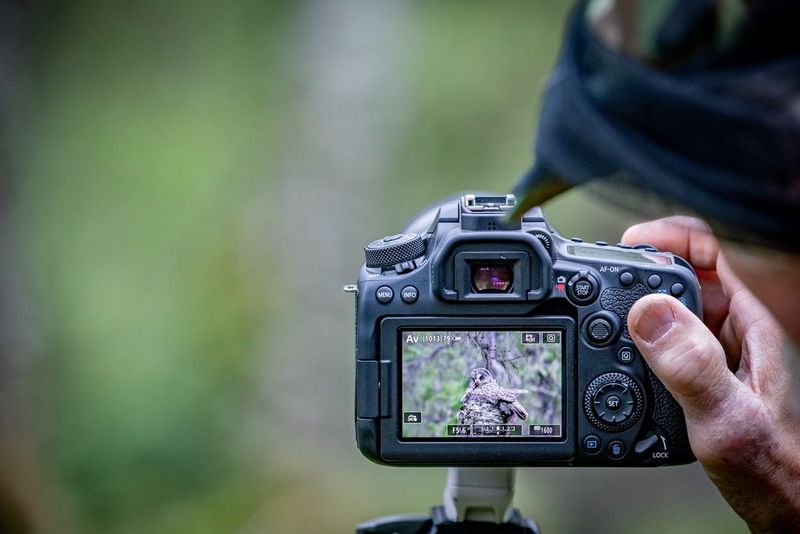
x=477, y=500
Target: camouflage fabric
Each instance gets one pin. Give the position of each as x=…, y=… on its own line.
x=691, y=103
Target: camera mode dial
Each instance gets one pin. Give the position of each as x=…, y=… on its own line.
x=613, y=402
x=394, y=249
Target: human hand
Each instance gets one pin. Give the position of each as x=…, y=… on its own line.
x=728, y=374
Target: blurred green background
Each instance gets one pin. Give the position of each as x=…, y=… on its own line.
x=190, y=185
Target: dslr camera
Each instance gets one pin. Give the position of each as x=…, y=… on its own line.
x=484, y=339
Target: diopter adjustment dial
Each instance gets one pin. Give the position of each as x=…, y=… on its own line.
x=613, y=402
x=391, y=250
x=545, y=238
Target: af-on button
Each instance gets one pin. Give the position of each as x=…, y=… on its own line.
x=626, y=278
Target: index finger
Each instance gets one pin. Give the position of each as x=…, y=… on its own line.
x=687, y=237
x=692, y=240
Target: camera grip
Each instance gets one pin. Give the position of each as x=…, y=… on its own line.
x=668, y=416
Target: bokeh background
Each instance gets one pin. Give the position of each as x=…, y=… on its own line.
x=185, y=187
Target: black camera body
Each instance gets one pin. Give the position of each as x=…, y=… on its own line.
x=488, y=341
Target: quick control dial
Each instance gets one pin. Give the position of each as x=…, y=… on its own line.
x=613, y=402
x=391, y=250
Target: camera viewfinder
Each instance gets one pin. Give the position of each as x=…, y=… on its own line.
x=492, y=278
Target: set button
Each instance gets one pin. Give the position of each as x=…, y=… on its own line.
x=676, y=289
x=614, y=403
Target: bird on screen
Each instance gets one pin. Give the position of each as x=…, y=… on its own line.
x=488, y=403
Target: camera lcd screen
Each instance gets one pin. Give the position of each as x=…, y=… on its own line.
x=482, y=384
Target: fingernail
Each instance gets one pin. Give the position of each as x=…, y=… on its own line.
x=654, y=322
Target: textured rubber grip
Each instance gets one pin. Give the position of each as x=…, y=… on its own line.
x=668, y=415
x=619, y=301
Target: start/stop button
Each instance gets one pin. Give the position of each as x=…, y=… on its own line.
x=582, y=288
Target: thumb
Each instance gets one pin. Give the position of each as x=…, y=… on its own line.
x=684, y=355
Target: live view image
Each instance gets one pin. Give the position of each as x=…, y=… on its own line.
x=481, y=384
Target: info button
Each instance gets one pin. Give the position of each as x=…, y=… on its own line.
x=409, y=294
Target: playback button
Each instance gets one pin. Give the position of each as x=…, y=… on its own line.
x=591, y=444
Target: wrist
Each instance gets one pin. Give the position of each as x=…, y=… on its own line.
x=764, y=490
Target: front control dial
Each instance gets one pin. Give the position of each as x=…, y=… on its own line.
x=394, y=249
x=613, y=402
